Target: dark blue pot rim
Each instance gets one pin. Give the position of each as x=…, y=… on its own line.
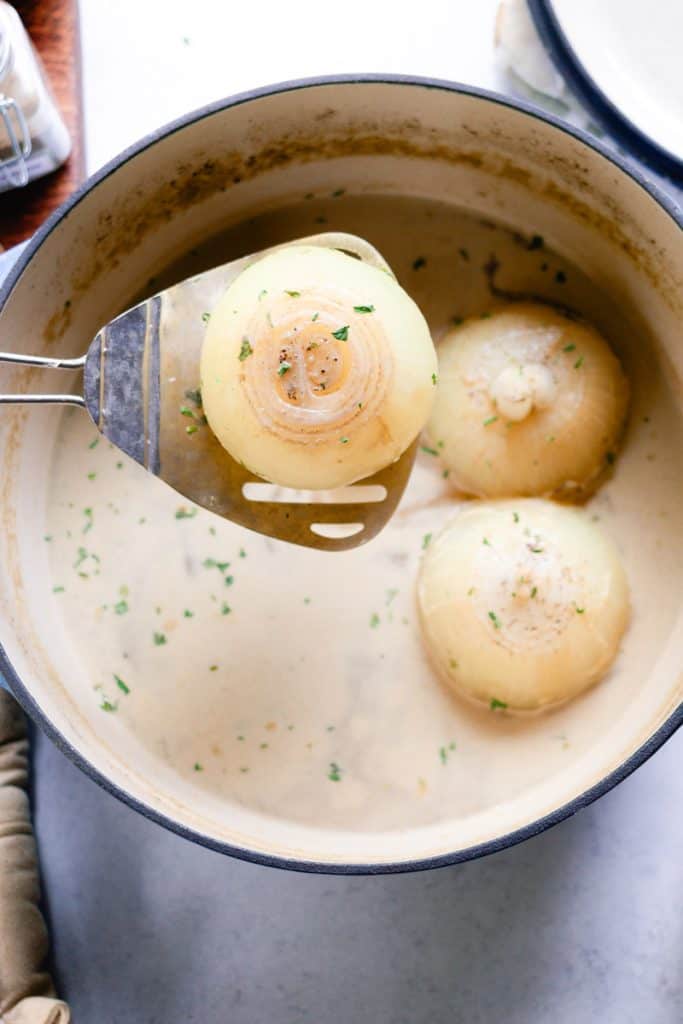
x=642, y=754
x=633, y=139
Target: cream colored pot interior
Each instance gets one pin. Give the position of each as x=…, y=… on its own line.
x=269, y=152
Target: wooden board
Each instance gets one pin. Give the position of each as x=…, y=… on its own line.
x=53, y=27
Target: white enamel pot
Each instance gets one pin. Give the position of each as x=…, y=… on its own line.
x=221, y=165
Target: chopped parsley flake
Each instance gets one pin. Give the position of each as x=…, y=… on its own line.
x=535, y=549
x=121, y=607
x=490, y=420
x=264, y=291
x=185, y=513
x=426, y=540
x=187, y=614
x=186, y=411
x=314, y=317
x=243, y=553
x=452, y=663
x=495, y=704
x=58, y=590
x=159, y=639
x=343, y=440
x=192, y=429
x=534, y=591
x=391, y=594
x=93, y=444
x=211, y=563
x=569, y=348
x=120, y=683
x=335, y=772
x=294, y=295
x=515, y=517
x=486, y=541
x=225, y=609
x=428, y=451
x=443, y=755
x=108, y=705
x=91, y=476
x=578, y=363
x=87, y=512
x=213, y=668
x=229, y=580
x=198, y=767
x=342, y=334
x=206, y=317
x=495, y=620
x=435, y=379
x=579, y=611
x=374, y=620
x=364, y=309
x=245, y=350
x=283, y=367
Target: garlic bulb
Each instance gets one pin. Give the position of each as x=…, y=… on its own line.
x=530, y=402
x=317, y=369
x=522, y=603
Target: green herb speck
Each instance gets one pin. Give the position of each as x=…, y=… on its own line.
x=495, y=620
x=579, y=611
x=213, y=668
x=187, y=614
x=374, y=620
x=94, y=444
x=121, y=607
x=428, y=451
x=245, y=350
x=364, y=309
x=159, y=639
x=206, y=317
x=569, y=348
x=343, y=440
x=283, y=367
x=192, y=429
x=335, y=772
x=243, y=553
x=490, y=420
x=515, y=517
x=342, y=334
x=185, y=513
x=108, y=705
x=495, y=704
x=314, y=317
x=58, y=590
x=426, y=540
x=120, y=683
x=293, y=294
x=91, y=476
x=225, y=609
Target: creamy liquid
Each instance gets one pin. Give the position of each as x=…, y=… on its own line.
x=294, y=682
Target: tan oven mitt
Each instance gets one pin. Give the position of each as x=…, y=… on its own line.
x=27, y=994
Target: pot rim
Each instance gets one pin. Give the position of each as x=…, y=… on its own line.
x=26, y=700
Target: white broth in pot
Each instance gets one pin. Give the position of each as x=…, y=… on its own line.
x=295, y=683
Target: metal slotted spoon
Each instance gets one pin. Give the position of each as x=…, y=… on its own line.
x=142, y=369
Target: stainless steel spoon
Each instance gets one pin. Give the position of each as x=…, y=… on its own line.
x=141, y=388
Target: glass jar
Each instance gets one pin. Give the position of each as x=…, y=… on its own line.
x=33, y=136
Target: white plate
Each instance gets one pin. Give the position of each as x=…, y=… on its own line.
x=623, y=58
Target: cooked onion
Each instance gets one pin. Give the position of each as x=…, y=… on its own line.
x=522, y=603
x=530, y=402
x=317, y=369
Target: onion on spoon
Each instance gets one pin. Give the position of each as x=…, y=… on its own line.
x=317, y=369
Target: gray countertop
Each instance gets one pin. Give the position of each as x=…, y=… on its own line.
x=583, y=923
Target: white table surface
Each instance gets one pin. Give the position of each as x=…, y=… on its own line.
x=582, y=924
